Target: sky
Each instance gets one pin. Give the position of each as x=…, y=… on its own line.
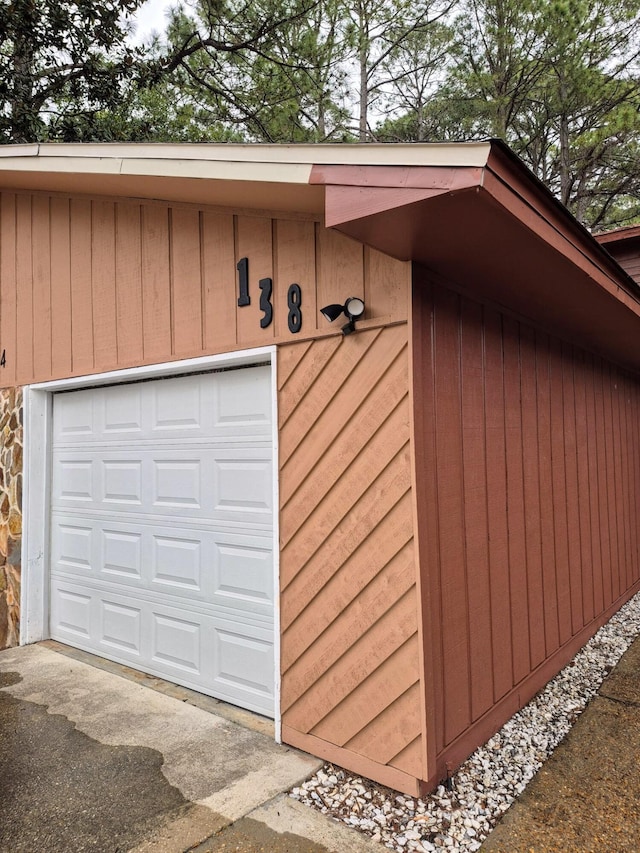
x=151, y=17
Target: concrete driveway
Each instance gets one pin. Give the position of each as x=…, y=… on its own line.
x=91, y=760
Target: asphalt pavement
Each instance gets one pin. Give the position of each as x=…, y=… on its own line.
x=98, y=758
x=92, y=760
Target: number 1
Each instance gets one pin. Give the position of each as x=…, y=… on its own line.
x=243, y=282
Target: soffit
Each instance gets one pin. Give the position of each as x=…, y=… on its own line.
x=497, y=233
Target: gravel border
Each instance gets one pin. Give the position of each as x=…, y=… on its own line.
x=492, y=778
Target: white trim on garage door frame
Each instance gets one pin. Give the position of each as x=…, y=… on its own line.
x=38, y=414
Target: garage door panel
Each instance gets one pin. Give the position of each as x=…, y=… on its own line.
x=223, y=657
x=122, y=481
x=193, y=563
x=121, y=552
x=242, y=663
x=178, y=484
x=243, y=576
x=179, y=563
x=242, y=402
x=176, y=405
x=102, y=589
x=243, y=486
x=162, y=530
x=73, y=547
x=220, y=485
x=232, y=404
x=121, y=627
x=72, y=612
x=74, y=417
x=74, y=480
x=118, y=413
x=176, y=642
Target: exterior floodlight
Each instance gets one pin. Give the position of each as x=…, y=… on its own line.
x=353, y=309
x=332, y=312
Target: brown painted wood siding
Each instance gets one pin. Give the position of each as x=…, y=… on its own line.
x=628, y=256
x=90, y=285
x=350, y=656
x=528, y=471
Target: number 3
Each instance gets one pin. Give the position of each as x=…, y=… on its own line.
x=266, y=286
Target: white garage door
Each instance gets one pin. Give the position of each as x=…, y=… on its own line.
x=162, y=529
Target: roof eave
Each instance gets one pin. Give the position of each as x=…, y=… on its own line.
x=498, y=232
x=260, y=177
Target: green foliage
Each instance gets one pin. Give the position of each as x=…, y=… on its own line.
x=416, y=76
x=60, y=63
x=265, y=69
x=382, y=40
x=159, y=114
x=558, y=79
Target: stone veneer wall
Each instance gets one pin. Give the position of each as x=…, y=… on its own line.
x=11, y=444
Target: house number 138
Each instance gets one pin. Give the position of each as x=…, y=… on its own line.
x=294, y=298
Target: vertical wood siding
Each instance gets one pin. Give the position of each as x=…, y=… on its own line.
x=350, y=658
x=90, y=285
x=528, y=480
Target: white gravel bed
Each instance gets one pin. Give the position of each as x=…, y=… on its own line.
x=490, y=780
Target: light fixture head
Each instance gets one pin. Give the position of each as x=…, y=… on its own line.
x=332, y=312
x=353, y=309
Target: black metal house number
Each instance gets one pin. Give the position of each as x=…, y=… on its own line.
x=243, y=282
x=294, y=298
x=266, y=288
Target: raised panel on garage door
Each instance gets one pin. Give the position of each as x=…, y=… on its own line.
x=162, y=529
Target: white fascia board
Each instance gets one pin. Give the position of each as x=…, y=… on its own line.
x=199, y=169
x=70, y=165
x=222, y=170
x=28, y=149
x=368, y=154
x=277, y=163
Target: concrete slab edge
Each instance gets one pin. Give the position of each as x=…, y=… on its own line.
x=283, y=814
x=261, y=785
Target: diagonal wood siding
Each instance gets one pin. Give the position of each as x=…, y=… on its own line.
x=350, y=655
x=528, y=467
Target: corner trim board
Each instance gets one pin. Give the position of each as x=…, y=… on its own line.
x=384, y=774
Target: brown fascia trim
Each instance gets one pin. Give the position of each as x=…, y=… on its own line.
x=618, y=235
x=355, y=193
x=506, y=168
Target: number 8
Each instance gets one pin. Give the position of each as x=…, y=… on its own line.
x=294, y=300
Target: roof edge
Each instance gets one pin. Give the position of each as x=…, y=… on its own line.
x=503, y=162
x=618, y=235
x=383, y=154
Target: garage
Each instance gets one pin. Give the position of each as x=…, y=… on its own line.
x=387, y=530
x=162, y=527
